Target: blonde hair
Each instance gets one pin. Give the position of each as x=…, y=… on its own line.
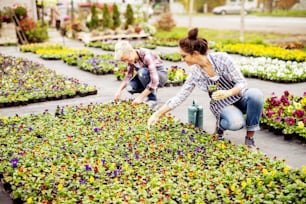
x=121, y=48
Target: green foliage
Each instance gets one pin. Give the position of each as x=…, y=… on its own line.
x=284, y=13
x=107, y=19
x=165, y=22
x=94, y=21
x=129, y=16
x=198, y=5
x=21, y=12
x=116, y=16
x=38, y=34
x=223, y=36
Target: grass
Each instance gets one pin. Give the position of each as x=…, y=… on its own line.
x=221, y=35
x=283, y=13
x=276, y=13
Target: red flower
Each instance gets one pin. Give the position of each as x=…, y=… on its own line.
x=270, y=113
x=285, y=101
x=290, y=121
x=27, y=24
x=298, y=113
x=274, y=101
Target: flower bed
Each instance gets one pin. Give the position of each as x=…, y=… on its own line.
x=174, y=57
x=107, y=46
x=165, y=43
x=273, y=69
x=176, y=75
x=285, y=115
x=106, y=155
x=72, y=55
x=33, y=47
x=26, y=82
x=100, y=64
x=262, y=51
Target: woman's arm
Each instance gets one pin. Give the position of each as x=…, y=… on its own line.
x=161, y=111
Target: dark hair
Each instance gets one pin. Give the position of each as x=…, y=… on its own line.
x=193, y=43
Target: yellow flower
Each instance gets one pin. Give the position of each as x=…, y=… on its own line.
x=29, y=200
x=91, y=179
x=189, y=155
x=125, y=166
x=233, y=188
x=303, y=101
x=185, y=195
x=270, y=184
x=304, y=169
x=243, y=184
x=60, y=186
x=264, y=171
x=286, y=169
x=273, y=172
x=249, y=181
x=297, y=106
x=300, y=125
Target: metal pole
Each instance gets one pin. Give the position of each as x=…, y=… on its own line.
x=42, y=12
x=72, y=19
x=190, y=13
x=242, y=15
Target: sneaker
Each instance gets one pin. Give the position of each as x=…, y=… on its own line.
x=250, y=142
x=152, y=104
x=219, y=134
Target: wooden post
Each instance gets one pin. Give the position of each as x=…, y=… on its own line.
x=242, y=15
x=190, y=13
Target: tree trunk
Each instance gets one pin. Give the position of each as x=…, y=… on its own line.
x=268, y=6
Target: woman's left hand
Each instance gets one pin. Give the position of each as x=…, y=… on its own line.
x=152, y=120
x=221, y=94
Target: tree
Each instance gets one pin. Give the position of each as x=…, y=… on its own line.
x=107, y=19
x=94, y=21
x=129, y=15
x=116, y=16
x=268, y=4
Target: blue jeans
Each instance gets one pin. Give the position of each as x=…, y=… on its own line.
x=251, y=104
x=140, y=81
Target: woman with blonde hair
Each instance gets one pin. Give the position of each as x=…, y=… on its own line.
x=150, y=69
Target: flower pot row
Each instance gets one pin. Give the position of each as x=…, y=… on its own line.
x=103, y=153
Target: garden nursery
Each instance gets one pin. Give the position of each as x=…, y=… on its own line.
x=103, y=152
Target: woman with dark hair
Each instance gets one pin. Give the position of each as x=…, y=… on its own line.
x=217, y=74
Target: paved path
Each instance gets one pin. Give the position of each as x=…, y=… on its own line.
x=291, y=151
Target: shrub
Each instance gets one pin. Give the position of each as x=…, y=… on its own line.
x=21, y=12
x=38, y=34
x=94, y=21
x=116, y=16
x=165, y=22
x=27, y=24
x=107, y=19
x=129, y=16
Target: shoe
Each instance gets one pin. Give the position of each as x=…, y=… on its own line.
x=250, y=142
x=220, y=137
x=153, y=104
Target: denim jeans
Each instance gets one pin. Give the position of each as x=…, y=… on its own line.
x=251, y=105
x=140, y=81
